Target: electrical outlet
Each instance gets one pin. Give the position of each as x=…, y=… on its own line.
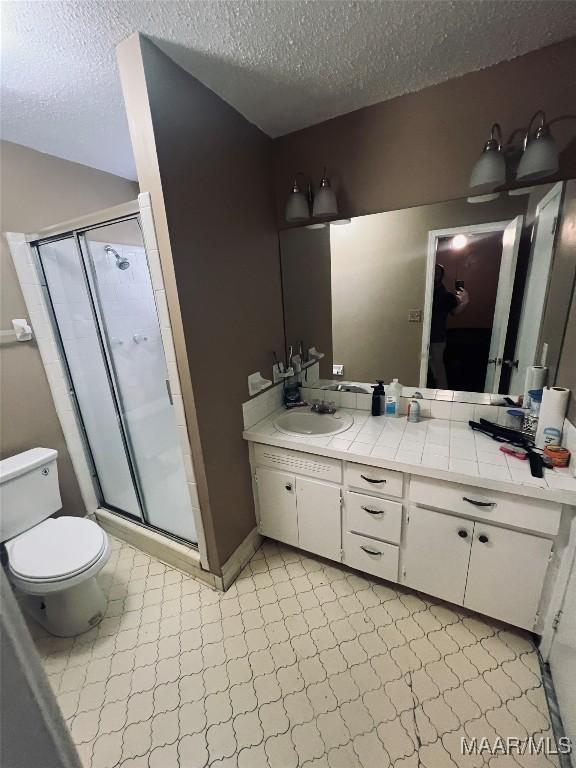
x=337, y=370
x=414, y=315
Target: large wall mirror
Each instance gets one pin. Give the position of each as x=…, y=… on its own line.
x=462, y=295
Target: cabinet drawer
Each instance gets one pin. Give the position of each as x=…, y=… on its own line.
x=318, y=467
x=373, y=479
x=370, y=556
x=491, y=506
x=372, y=516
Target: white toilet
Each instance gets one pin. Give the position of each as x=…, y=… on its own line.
x=52, y=562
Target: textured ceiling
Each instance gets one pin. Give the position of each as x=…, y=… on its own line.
x=284, y=64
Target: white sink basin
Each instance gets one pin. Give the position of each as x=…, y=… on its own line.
x=313, y=424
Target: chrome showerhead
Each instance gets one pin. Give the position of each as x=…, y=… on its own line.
x=121, y=261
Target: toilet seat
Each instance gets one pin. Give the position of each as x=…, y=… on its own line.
x=57, y=553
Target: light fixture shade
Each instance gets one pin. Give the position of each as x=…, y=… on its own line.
x=483, y=198
x=297, y=208
x=489, y=173
x=325, y=200
x=539, y=160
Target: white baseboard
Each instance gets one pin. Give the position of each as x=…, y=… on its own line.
x=171, y=552
x=240, y=557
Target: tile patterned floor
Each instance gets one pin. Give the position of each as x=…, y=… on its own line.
x=300, y=663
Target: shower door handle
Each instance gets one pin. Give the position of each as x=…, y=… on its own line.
x=169, y=390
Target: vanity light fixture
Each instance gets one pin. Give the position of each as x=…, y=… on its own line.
x=540, y=153
x=483, y=198
x=489, y=172
x=459, y=242
x=325, y=203
x=298, y=203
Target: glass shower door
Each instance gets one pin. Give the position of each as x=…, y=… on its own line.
x=120, y=280
x=85, y=356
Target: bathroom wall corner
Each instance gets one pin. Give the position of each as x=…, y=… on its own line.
x=236, y=562
x=135, y=91
x=222, y=283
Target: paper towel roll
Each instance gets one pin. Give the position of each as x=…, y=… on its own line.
x=536, y=376
x=551, y=418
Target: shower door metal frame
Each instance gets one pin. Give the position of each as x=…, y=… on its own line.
x=110, y=370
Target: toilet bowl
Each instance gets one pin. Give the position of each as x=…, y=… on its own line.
x=54, y=566
x=51, y=562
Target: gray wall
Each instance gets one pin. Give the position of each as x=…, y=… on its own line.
x=38, y=190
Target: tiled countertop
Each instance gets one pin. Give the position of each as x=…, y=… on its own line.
x=437, y=448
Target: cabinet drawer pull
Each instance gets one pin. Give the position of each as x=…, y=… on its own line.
x=479, y=503
x=370, y=551
x=288, y=486
x=463, y=533
x=371, y=480
x=373, y=511
x=483, y=538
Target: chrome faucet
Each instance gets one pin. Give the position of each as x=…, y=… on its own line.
x=322, y=406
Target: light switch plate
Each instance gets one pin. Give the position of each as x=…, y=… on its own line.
x=337, y=370
x=414, y=315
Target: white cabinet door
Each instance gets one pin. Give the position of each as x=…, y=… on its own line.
x=437, y=554
x=319, y=518
x=506, y=574
x=277, y=505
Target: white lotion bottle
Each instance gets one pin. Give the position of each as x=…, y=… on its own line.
x=393, y=395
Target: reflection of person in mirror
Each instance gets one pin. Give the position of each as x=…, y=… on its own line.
x=444, y=303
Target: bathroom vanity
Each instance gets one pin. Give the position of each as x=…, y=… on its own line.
x=490, y=545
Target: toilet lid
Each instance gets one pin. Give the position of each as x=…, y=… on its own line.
x=56, y=549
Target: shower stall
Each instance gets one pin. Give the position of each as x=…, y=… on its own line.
x=100, y=296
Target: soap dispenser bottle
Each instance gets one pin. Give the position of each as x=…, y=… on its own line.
x=393, y=395
x=378, y=398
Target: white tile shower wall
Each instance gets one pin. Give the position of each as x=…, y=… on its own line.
x=151, y=243
x=29, y=279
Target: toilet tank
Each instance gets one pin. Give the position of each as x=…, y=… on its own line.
x=29, y=491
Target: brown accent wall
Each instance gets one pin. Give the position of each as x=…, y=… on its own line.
x=306, y=291
x=420, y=147
x=39, y=190
x=209, y=173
